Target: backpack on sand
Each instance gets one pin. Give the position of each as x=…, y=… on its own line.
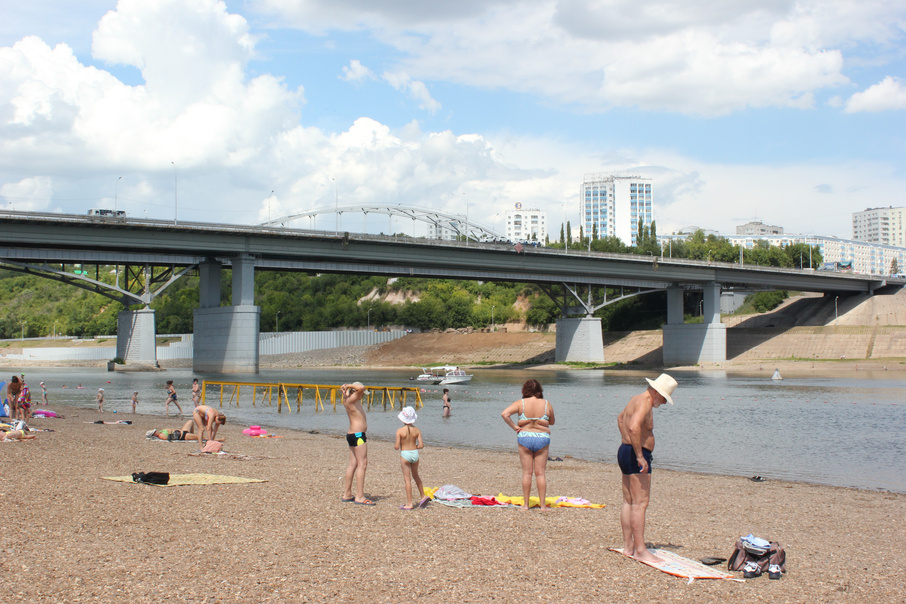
x=151, y=477
x=762, y=558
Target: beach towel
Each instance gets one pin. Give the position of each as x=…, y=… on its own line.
x=554, y=502
x=178, y=480
x=676, y=565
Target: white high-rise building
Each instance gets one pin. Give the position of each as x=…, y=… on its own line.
x=615, y=205
x=526, y=225
x=886, y=226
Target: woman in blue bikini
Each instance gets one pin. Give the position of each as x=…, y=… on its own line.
x=533, y=434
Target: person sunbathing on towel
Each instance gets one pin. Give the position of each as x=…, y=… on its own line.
x=17, y=435
x=187, y=432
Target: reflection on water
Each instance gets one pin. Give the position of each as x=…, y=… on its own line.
x=844, y=432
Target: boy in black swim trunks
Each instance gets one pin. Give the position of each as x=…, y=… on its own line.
x=357, y=441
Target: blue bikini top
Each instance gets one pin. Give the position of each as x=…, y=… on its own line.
x=522, y=415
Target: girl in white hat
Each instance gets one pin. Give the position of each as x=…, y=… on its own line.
x=408, y=442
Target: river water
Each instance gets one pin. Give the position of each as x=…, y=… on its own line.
x=841, y=432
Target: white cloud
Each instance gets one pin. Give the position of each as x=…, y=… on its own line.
x=696, y=57
x=29, y=194
x=355, y=72
x=415, y=89
x=887, y=95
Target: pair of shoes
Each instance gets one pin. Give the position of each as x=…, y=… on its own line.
x=751, y=570
x=366, y=502
x=774, y=571
x=424, y=501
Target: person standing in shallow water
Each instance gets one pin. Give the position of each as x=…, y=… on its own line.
x=446, y=402
x=636, y=424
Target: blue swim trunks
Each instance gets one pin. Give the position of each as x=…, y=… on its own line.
x=628, y=463
x=533, y=441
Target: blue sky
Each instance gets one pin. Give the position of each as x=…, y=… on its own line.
x=786, y=112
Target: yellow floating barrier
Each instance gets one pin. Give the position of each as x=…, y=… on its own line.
x=389, y=395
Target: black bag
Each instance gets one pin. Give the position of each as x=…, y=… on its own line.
x=151, y=477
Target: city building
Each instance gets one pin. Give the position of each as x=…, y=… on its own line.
x=758, y=228
x=886, y=226
x=526, y=225
x=865, y=258
x=614, y=205
x=441, y=232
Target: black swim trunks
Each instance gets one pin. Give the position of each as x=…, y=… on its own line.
x=356, y=439
x=628, y=463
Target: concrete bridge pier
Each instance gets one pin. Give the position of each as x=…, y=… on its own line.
x=693, y=344
x=136, y=336
x=579, y=340
x=226, y=337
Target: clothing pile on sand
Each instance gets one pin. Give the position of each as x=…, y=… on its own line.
x=453, y=496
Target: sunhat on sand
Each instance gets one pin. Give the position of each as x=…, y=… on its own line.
x=665, y=385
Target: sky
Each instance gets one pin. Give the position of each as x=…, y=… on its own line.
x=788, y=112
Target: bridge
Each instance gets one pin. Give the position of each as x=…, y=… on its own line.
x=154, y=253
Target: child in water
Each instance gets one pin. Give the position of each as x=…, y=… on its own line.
x=408, y=442
x=134, y=400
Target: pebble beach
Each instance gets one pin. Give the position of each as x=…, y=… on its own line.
x=74, y=537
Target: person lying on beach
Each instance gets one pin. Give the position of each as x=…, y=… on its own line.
x=186, y=433
x=408, y=442
x=207, y=420
x=17, y=435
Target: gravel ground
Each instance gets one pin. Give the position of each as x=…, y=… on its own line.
x=72, y=537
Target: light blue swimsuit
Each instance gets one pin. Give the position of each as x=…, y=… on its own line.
x=533, y=441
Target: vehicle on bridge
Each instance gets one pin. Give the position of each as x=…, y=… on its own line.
x=107, y=213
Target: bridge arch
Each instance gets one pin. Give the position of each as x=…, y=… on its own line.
x=443, y=223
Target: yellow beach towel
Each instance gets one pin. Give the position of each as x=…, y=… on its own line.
x=178, y=480
x=534, y=502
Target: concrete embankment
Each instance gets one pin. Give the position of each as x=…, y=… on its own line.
x=805, y=327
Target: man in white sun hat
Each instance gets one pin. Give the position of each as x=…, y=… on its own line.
x=636, y=424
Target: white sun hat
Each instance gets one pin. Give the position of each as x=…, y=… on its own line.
x=407, y=415
x=665, y=385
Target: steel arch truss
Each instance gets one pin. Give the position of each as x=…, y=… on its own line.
x=140, y=280
x=458, y=224
x=578, y=299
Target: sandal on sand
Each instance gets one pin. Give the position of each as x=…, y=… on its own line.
x=712, y=560
x=366, y=502
x=402, y=507
x=347, y=500
x=424, y=501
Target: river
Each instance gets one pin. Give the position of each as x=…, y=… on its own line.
x=841, y=432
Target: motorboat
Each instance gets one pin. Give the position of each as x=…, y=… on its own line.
x=443, y=375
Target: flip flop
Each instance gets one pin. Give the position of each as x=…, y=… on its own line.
x=424, y=501
x=712, y=560
x=402, y=507
x=366, y=502
x=347, y=500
